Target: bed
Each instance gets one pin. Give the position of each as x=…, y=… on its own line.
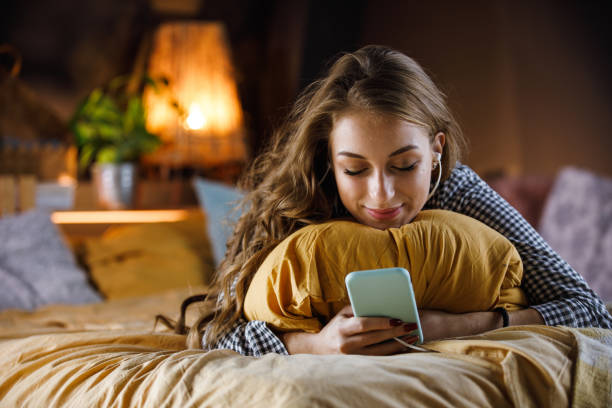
x=106, y=350
x=109, y=354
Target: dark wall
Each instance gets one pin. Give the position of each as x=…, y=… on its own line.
x=529, y=81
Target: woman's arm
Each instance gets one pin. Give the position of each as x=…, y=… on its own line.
x=441, y=325
x=553, y=288
x=345, y=334
x=349, y=335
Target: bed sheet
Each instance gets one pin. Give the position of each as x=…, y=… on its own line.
x=108, y=355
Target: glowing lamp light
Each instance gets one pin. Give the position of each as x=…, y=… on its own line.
x=195, y=119
x=195, y=58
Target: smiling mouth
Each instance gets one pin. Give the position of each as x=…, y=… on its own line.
x=384, y=214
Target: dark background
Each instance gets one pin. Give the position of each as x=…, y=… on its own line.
x=529, y=81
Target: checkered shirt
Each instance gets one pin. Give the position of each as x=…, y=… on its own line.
x=552, y=287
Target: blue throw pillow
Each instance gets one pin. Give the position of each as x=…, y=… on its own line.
x=219, y=202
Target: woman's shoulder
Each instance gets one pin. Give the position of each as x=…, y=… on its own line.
x=462, y=174
x=463, y=182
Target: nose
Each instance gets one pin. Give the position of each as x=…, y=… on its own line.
x=381, y=188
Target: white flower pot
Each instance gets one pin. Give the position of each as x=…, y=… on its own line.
x=114, y=184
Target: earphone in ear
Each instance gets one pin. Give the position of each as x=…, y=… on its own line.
x=438, y=156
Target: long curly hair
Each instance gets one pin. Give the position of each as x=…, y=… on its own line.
x=290, y=185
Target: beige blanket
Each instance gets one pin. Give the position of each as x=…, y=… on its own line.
x=108, y=355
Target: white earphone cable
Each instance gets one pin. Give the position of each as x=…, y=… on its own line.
x=433, y=190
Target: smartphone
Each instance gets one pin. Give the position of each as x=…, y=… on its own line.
x=384, y=292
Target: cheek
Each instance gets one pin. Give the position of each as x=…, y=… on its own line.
x=424, y=177
x=348, y=188
x=343, y=184
x=423, y=181
x=416, y=184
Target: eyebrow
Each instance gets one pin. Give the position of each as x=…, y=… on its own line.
x=395, y=153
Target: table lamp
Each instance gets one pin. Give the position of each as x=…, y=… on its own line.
x=205, y=126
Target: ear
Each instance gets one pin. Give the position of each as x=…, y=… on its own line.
x=437, y=145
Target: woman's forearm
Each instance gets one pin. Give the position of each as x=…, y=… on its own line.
x=299, y=342
x=436, y=325
x=439, y=325
x=525, y=316
x=481, y=322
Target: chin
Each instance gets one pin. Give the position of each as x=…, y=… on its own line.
x=382, y=225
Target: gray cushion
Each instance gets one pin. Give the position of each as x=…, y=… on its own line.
x=577, y=223
x=36, y=267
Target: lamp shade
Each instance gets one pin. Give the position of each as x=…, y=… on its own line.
x=206, y=126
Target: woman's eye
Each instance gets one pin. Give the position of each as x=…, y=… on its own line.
x=406, y=168
x=353, y=173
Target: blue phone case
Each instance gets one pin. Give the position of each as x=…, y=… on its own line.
x=384, y=292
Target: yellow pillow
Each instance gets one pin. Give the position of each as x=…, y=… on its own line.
x=456, y=263
x=137, y=260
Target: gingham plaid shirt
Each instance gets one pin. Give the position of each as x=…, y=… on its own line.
x=552, y=287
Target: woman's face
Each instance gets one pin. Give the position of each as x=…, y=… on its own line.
x=383, y=167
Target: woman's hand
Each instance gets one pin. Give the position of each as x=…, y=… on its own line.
x=347, y=334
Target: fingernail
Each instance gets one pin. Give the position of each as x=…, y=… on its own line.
x=410, y=327
x=395, y=322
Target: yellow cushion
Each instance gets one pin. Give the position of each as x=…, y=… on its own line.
x=456, y=263
x=136, y=260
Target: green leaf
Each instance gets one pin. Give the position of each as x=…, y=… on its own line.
x=95, y=96
x=105, y=110
x=110, y=132
x=86, y=155
x=108, y=154
x=83, y=132
x=134, y=115
x=118, y=82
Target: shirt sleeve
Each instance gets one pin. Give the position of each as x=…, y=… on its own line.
x=552, y=287
x=252, y=338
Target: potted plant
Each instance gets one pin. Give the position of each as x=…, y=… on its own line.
x=110, y=133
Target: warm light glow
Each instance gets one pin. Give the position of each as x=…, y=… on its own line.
x=195, y=120
x=66, y=180
x=118, y=217
x=195, y=58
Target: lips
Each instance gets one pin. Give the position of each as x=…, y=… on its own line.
x=385, y=213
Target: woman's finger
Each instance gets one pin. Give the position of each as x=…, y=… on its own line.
x=388, y=347
x=358, y=325
x=370, y=338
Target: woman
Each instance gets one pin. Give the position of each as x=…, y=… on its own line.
x=374, y=141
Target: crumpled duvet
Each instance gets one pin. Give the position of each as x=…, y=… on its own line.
x=54, y=364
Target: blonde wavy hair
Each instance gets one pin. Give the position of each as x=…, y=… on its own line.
x=290, y=184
